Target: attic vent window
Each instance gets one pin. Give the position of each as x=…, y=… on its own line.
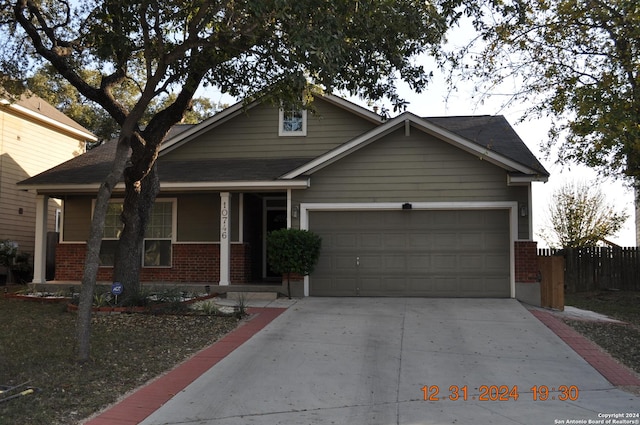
x=293, y=121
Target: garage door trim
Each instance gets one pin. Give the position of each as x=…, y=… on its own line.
x=512, y=207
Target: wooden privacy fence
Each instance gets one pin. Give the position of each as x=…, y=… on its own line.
x=596, y=268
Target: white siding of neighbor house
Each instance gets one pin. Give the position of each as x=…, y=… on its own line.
x=254, y=134
x=26, y=149
x=415, y=168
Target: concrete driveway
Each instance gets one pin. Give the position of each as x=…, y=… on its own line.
x=373, y=360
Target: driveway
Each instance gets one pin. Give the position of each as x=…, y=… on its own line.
x=373, y=360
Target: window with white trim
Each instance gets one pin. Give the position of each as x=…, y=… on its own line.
x=157, y=243
x=293, y=121
x=111, y=234
x=157, y=238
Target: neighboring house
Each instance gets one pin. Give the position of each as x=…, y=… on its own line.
x=408, y=206
x=34, y=136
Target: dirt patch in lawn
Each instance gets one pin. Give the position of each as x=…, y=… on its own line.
x=37, y=343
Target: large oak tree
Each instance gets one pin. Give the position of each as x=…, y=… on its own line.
x=47, y=84
x=272, y=48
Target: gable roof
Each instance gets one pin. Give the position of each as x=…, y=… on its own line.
x=495, y=133
x=241, y=107
x=488, y=137
x=37, y=108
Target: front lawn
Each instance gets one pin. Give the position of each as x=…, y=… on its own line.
x=37, y=348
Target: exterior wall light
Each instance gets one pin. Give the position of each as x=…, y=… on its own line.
x=407, y=206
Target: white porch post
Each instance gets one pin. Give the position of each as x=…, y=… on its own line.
x=40, y=248
x=225, y=238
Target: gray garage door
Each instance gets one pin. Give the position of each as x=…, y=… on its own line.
x=458, y=253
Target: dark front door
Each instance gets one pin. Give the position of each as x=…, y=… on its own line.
x=276, y=219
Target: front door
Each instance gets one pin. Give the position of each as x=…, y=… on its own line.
x=275, y=218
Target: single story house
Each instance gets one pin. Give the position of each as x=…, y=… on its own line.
x=407, y=206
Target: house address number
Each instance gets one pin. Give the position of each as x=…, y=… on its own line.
x=224, y=219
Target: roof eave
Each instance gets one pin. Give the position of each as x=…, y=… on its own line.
x=519, y=179
x=237, y=185
x=355, y=109
x=39, y=117
x=177, y=186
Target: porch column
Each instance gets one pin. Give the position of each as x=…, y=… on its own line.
x=40, y=248
x=225, y=238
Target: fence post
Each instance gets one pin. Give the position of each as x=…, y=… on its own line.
x=552, y=283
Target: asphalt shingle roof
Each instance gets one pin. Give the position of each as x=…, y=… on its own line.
x=491, y=132
x=494, y=133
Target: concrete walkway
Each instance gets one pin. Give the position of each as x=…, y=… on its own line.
x=375, y=360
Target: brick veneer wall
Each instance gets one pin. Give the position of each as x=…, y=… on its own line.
x=526, y=261
x=190, y=263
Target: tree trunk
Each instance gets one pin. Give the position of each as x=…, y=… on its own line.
x=139, y=198
x=92, y=259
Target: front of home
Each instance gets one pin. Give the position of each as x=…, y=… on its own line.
x=408, y=206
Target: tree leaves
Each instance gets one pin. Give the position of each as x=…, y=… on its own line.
x=576, y=59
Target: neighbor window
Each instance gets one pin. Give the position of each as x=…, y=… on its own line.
x=293, y=121
x=158, y=236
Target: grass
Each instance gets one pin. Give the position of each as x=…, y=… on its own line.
x=622, y=341
x=37, y=346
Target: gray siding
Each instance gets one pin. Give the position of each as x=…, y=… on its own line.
x=416, y=168
x=254, y=134
x=198, y=217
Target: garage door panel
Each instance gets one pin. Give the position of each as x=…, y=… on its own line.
x=395, y=241
x=369, y=263
x=496, y=239
x=444, y=240
x=334, y=287
x=419, y=241
x=471, y=262
x=472, y=240
x=496, y=262
x=346, y=240
x=397, y=263
x=461, y=253
x=441, y=286
x=493, y=285
x=371, y=241
x=372, y=286
x=444, y=263
x=418, y=263
x=343, y=263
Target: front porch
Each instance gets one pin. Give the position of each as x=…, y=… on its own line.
x=216, y=239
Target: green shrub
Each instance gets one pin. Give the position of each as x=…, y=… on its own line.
x=293, y=251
